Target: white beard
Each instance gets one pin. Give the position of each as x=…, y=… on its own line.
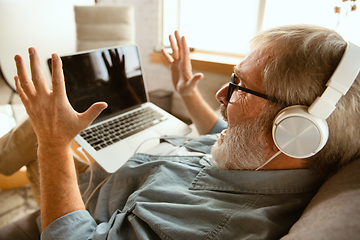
x=241, y=147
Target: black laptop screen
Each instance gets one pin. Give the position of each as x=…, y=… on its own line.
x=110, y=75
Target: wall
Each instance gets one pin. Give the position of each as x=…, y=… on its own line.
x=48, y=26
x=148, y=18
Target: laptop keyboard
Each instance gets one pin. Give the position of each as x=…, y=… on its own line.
x=110, y=132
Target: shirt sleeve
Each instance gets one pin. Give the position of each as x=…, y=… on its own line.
x=75, y=225
x=219, y=126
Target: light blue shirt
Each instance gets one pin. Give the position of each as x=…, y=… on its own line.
x=184, y=197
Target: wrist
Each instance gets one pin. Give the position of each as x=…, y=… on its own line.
x=193, y=93
x=50, y=150
x=53, y=143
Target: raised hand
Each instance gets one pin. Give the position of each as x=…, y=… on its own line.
x=54, y=120
x=116, y=68
x=180, y=65
x=118, y=80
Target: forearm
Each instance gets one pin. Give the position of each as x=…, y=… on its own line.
x=202, y=115
x=59, y=189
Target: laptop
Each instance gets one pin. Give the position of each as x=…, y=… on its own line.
x=130, y=122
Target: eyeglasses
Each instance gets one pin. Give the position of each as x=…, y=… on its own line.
x=233, y=86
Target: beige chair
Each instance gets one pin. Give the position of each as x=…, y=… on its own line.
x=102, y=26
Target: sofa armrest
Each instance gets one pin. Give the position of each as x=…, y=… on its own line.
x=334, y=212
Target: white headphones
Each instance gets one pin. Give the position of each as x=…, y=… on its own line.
x=301, y=131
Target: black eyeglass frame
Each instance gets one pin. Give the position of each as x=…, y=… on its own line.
x=233, y=86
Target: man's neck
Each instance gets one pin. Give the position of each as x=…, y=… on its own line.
x=283, y=162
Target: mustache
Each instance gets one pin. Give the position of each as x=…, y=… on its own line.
x=223, y=112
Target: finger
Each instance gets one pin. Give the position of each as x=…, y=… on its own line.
x=123, y=61
x=185, y=50
x=57, y=78
x=174, y=48
x=20, y=91
x=195, y=79
x=37, y=75
x=113, y=58
x=178, y=40
x=117, y=57
x=24, y=80
x=105, y=61
x=167, y=56
x=92, y=112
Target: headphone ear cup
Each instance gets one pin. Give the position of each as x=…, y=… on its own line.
x=299, y=134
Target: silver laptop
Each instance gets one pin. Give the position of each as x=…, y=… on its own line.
x=130, y=122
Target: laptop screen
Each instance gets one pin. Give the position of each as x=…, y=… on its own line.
x=111, y=75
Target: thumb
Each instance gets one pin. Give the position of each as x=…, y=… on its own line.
x=92, y=112
x=195, y=79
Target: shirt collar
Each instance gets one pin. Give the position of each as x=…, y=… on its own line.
x=261, y=182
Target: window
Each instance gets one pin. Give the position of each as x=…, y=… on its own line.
x=208, y=23
x=226, y=26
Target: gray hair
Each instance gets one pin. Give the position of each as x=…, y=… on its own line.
x=301, y=59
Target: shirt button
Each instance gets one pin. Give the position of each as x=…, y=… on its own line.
x=186, y=142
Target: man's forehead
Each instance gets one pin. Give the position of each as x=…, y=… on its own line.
x=257, y=56
x=252, y=67
x=237, y=71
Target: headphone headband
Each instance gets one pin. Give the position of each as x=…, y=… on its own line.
x=339, y=83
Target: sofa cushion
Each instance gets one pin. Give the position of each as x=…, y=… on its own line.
x=334, y=212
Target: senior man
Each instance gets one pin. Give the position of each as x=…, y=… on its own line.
x=186, y=193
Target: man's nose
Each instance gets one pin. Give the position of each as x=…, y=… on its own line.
x=221, y=95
